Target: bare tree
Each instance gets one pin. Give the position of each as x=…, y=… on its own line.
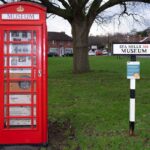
x=81, y=15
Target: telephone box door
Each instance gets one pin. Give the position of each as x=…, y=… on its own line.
x=21, y=72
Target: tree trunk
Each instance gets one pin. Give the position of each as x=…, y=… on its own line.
x=80, y=33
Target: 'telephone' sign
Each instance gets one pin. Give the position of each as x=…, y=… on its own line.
x=131, y=49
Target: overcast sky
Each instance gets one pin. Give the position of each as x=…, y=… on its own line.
x=58, y=24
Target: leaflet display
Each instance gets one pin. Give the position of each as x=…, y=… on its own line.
x=133, y=70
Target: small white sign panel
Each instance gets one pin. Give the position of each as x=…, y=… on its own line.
x=131, y=49
x=20, y=16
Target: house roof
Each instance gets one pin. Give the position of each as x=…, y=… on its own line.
x=58, y=36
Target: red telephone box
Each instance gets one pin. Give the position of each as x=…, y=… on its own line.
x=23, y=74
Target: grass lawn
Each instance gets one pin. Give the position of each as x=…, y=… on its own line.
x=90, y=111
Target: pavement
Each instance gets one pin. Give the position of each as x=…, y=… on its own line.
x=21, y=147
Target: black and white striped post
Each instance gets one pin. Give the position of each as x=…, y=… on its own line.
x=132, y=102
x=133, y=73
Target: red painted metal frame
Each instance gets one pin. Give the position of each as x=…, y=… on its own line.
x=32, y=135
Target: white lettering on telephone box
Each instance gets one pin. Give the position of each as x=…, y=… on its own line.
x=20, y=17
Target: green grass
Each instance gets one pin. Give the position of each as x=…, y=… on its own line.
x=97, y=104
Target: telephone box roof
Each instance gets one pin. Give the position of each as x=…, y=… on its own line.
x=28, y=4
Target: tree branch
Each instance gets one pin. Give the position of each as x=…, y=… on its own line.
x=83, y=3
x=73, y=3
x=95, y=5
x=112, y=3
x=3, y=1
x=96, y=8
x=125, y=13
x=65, y=4
x=51, y=8
x=93, y=9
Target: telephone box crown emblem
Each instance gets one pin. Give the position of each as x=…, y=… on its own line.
x=20, y=9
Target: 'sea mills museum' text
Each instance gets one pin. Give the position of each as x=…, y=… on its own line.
x=131, y=49
x=134, y=49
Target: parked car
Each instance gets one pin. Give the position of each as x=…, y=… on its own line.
x=53, y=54
x=68, y=52
x=98, y=52
x=104, y=52
x=91, y=53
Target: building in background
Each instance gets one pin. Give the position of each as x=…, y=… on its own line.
x=60, y=44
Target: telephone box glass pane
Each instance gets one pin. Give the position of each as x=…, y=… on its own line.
x=35, y=86
x=20, y=111
x=20, y=48
x=34, y=122
x=5, y=87
x=15, y=123
x=34, y=60
x=20, y=73
x=20, y=99
x=5, y=99
x=5, y=74
x=20, y=35
x=20, y=122
x=34, y=99
x=5, y=36
x=34, y=48
x=5, y=49
x=34, y=36
x=5, y=61
x=5, y=111
x=34, y=111
x=20, y=61
x=20, y=86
